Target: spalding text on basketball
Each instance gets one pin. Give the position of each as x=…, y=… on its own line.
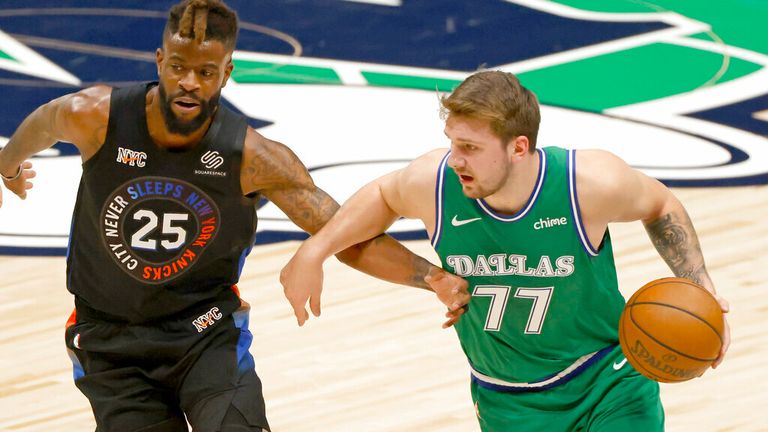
x=644, y=355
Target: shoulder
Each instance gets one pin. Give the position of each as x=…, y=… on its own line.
x=599, y=171
x=269, y=164
x=410, y=191
x=611, y=191
x=80, y=118
x=91, y=103
x=84, y=115
x=423, y=170
x=274, y=155
x=430, y=160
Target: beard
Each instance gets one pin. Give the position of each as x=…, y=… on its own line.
x=178, y=126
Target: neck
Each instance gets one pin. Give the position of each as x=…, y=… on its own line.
x=518, y=187
x=159, y=132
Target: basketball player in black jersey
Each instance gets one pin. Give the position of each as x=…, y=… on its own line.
x=164, y=218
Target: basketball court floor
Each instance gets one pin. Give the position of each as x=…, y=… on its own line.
x=675, y=88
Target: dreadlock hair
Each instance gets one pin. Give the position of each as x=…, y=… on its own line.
x=203, y=20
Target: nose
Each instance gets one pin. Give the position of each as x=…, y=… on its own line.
x=189, y=82
x=455, y=161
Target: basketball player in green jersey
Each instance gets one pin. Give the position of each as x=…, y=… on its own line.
x=527, y=228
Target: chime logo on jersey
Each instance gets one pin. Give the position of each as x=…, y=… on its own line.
x=156, y=228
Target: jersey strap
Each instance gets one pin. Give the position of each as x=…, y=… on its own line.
x=577, y=367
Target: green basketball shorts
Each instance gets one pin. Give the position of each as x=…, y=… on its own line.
x=607, y=396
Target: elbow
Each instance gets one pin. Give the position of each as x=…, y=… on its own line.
x=668, y=203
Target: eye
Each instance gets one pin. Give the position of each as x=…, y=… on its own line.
x=176, y=67
x=206, y=73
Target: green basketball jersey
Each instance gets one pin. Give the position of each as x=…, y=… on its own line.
x=543, y=298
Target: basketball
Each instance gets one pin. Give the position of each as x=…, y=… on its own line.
x=671, y=330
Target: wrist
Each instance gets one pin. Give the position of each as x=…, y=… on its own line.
x=433, y=270
x=14, y=176
x=313, y=250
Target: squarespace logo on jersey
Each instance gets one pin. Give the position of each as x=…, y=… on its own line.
x=156, y=228
x=211, y=161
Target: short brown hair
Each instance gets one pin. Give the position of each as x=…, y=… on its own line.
x=498, y=97
x=203, y=20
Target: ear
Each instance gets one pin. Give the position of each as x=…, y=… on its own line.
x=159, y=59
x=228, y=72
x=517, y=147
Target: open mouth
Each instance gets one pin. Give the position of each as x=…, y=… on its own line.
x=186, y=104
x=465, y=178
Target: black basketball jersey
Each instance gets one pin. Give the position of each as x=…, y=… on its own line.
x=156, y=232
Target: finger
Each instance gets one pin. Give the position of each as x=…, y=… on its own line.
x=298, y=309
x=459, y=305
x=28, y=186
x=30, y=174
x=450, y=322
x=314, y=304
x=26, y=165
x=430, y=279
x=724, y=347
x=719, y=359
x=453, y=317
x=724, y=305
x=458, y=301
x=301, y=316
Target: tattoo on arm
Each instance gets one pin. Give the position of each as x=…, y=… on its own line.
x=419, y=266
x=676, y=241
x=275, y=171
x=309, y=209
x=421, y=269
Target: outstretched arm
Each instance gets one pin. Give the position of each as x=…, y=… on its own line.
x=273, y=170
x=78, y=118
x=622, y=194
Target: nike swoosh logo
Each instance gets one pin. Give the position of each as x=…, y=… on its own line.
x=619, y=365
x=456, y=222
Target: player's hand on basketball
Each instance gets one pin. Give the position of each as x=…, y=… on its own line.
x=302, y=280
x=452, y=291
x=725, y=307
x=20, y=181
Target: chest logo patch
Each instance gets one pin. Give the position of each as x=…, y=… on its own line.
x=156, y=228
x=212, y=159
x=549, y=223
x=131, y=157
x=456, y=222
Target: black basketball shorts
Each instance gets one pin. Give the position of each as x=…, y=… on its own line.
x=156, y=378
